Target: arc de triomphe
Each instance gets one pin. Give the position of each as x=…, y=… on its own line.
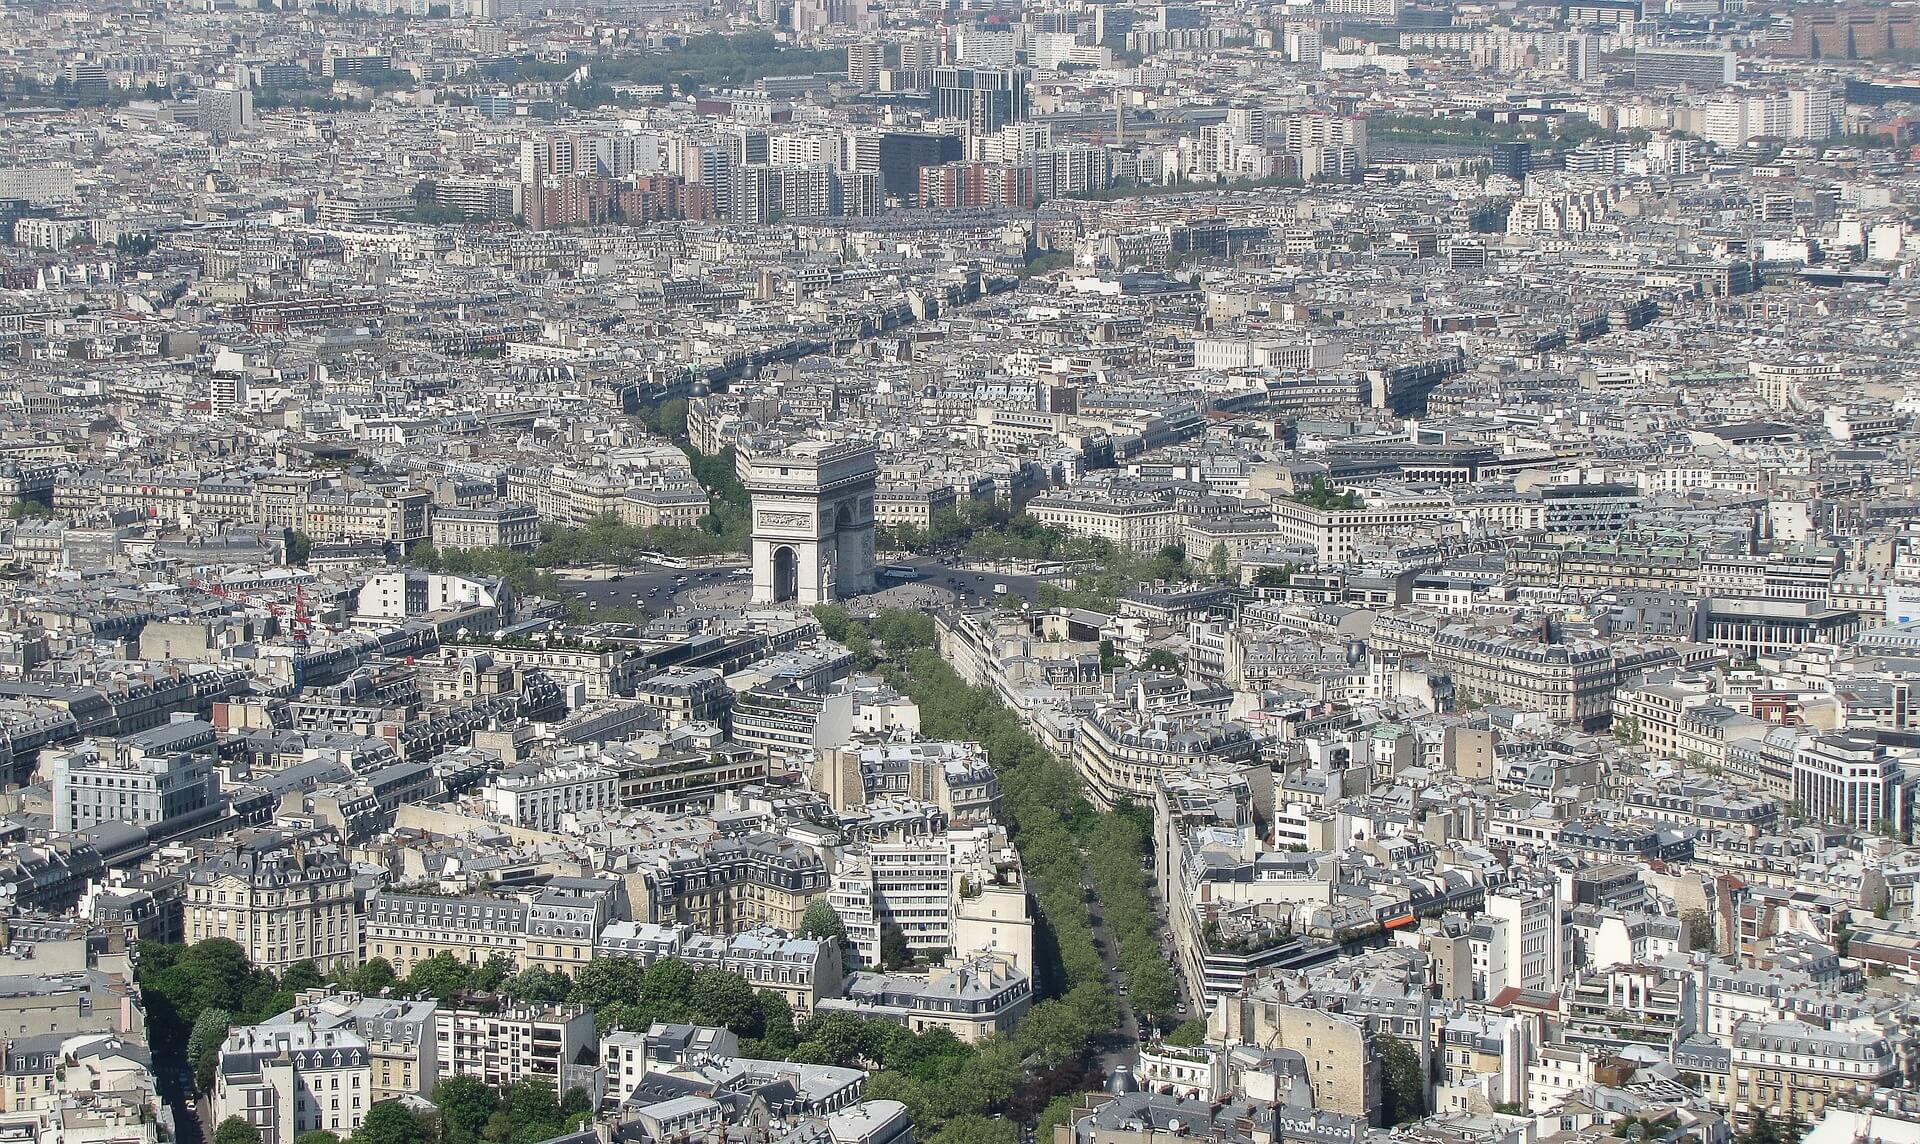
x=813, y=522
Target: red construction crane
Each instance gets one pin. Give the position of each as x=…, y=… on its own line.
x=300, y=621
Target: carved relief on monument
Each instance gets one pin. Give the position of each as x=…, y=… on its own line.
x=770, y=519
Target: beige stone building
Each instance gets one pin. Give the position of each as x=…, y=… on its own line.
x=285, y=897
x=514, y=526
x=679, y=506
x=334, y=515
x=1139, y=524
x=554, y=925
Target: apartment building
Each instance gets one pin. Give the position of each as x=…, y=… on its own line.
x=1773, y=627
x=284, y=896
x=402, y=1050
x=511, y=526
x=1780, y=382
x=913, y=504
x=505, y=1046
x=1135, y=523
x=791, y=721
x=566, y=495
x=589, y=674
x=554, y=924
x=685, y=781
x=1122, y=749
x=959, y=891
x=1520, y=941
x=803, y=971
x=973, y=998
x=564, y=918
x=682, y=695
x=732, y=884
x=956, y=777
x=546, y=795
x=1342, y=1053
x=903, y=884
x=1326, y=146
x=278, y=498
x=1572, y=680
x=407, y=929
x=1853, y=779
x=289, y=1080
x=338, y=515
x=1792, y=1070
x=1707, y=805
x=667, y=506
x=1334, y=532
x=155, y=778
x=1221, y=889
x=1651, y=712
x=1627, y=1007
x=1603, y=564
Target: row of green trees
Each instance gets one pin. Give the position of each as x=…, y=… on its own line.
x=988, y=530
x=1065, y=845
x=1112, y=572
x=1568, y=132
x=1766, y=1130
x=195, y=993
x=621, y=992
x=607, y=540
x=1043, y=799
x=1403, y=1084
x=985, y=530
x=714, y=60
x=939, y=1078
x=1045, y=805
x=1021, y=537
x=897, y=631
x=717, y=60
x=1132, y=927
x=730, y=510
x=1050, y=814
x=516, y=568
x=525, y=1112
x=957, y=1093
x=1054, y=829
x=726, y=527
x=1319, y=494
x=1133, y=189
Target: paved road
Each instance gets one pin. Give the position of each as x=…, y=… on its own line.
x=654, y=590
x=175, y=1081
x=646, y=587
x=1122, y=1046
x=972, y=586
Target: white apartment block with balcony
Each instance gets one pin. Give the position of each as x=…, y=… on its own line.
x=960, y=891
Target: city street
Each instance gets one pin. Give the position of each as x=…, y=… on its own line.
x=1122, y=1046
x=648, y=588
x=654, y=590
